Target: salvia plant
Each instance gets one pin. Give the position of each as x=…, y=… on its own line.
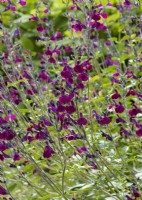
x=71, y=112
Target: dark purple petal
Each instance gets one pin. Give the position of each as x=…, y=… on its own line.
x=47, y=152
x=119, y=108
x=3, y=191
x=139, y=132
x=16, y=156
x=83, y=77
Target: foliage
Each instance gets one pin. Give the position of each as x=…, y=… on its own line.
x=70, y=94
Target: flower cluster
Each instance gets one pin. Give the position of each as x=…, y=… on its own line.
x=71, y=113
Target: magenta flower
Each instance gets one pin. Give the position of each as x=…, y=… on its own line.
x=91, y=163
x=131, y=92
x=116, y=95
x=120, y=120
x=95, y=16
x=1, y=157
x=108, y=137
x=13, y=8
x=82, y=120
x=104, y=15
x=77, y=26
x=83, y=77
x=2, y=121
x=66, y=72
x=3, y=146
x=10, y=117
x=104, y=120
x=136, y=194
x=119, y=108
x=44, y=76
x=51, y=60
x=82, y=149
x=116, y=74
x=26, y=75
x=139, y=132
x=46, y=10
x=22, y=2
x=14, y=95
x=18, y=60
x=78, y=67
x=40, y=28
x=80, y=86
x=60, y=108
x=7, y=134
x=33, y=18
x=47, y=152
x=128, y=197
x=133, y=112
x=16, y=156
x=124, y=131
x=66, y=98
x=71, y=136
x=70, y=109
x=48, y=52
x=3, y=191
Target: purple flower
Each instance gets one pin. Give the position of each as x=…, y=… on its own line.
x=44, y=76
x=83, y=77
x=66, y=72
x=101, y=120
x=120, y=120
x=47, y=152
x=136, y=194
x=70, y=109
x=71, y=136
x=122, y=130
x=116, y=95
x=128, y=197
x=91, y=163
x=10, y=117
x=2, y=121
x=106, y=136
x=104, y=120
x=82, y=149
x=77, y=25
x=40, y=28
x=78, y=67
x=13, y=8
x=46, y=122
x=133, y=112
x=95, y=16
x=127, y=3
x=14, y=95
x=3, y=191
x=60, y=108
x=16, y=156
x=82, y=120
x=33, y=18
x=104, y=15
x=51, y=60
x=139, y=132
x=48, y=52
x=131, y=92
x=7, y=135
x=22, y=2
x=3, y=146
x=41, y=135
x=1, y=157
x=26, y=75
x=66, y=98
x=119, y=108
x=18, y=60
